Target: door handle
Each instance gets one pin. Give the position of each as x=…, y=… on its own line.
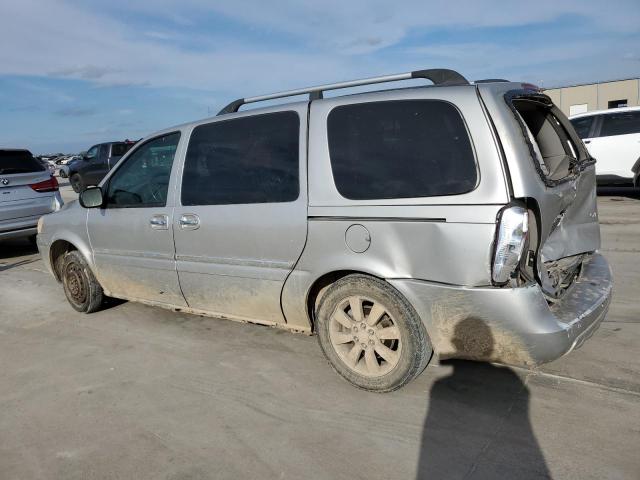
x=587, y=141
x=189, y=221
x=159, y=222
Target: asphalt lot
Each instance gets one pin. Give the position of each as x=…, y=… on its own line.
x=138, y=392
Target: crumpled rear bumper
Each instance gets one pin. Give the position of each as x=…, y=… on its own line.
x=516, y=326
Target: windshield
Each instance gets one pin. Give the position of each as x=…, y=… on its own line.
x=18, y=161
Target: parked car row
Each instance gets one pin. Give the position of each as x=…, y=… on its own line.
x=29, y=189
x=48, y=165
x=58, y=159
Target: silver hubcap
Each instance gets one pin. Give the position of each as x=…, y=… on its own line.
x=365, y=336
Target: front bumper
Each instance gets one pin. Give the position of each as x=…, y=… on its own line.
x=515, y=326
x=44, y=248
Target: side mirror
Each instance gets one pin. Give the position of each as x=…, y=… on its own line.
x=91, y=197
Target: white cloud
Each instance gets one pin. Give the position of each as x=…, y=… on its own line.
x=85, y=72
x=358, y=26
x=329, y=40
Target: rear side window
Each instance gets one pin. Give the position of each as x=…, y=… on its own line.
x=400, y=149
x=18, y=161
x=622, y=123
x=582, y=125
x=245, y=160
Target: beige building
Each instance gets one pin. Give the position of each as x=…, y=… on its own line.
x=576, y=99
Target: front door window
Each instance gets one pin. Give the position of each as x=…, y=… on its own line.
x=143, y=180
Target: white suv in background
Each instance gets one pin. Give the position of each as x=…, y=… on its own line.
x=613, y=139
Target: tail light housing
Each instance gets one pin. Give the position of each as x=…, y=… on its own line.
x=511, y=241
x=50, y=185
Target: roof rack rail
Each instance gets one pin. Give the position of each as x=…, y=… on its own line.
x=439, y=76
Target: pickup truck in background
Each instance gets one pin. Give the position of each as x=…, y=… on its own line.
x=93, y=165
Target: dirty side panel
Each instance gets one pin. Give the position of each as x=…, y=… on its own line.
x=236, y=261
x=396, y=246
x=514, y=326
x=444, y=238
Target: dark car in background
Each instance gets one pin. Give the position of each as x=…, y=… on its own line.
x=91, y=167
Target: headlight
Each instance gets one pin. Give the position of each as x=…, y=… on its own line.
x=510, y=243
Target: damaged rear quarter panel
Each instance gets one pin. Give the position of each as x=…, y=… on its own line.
x=568, y=213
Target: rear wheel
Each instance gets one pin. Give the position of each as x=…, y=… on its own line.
x=76, y=183
x=81, y=288
x=371, y=335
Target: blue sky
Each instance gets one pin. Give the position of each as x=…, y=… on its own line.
x=73, y=73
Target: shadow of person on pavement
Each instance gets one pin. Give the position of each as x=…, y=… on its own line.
x=478, y=423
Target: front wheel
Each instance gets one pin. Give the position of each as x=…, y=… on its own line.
x=81, y=288
x=371, y=335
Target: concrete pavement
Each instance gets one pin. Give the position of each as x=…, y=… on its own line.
x=139, y=392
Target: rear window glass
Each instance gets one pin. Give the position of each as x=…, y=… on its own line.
x=245, y=160
x=400, y=149
x=551, y=142
x=583, y=125
x=622, y=123
x=19, y=161
x=119, y=149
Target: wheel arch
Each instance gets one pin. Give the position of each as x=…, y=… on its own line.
x=405, y=333
x=320, y=286
x=59, y=247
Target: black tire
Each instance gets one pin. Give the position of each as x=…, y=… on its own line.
x=76, y=183
x=81, y=288
x=412, y=348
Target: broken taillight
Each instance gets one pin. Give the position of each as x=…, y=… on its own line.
x=50, y=185
x=511, y=240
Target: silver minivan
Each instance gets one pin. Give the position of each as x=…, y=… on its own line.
x=27, y=191
x=458, y=218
